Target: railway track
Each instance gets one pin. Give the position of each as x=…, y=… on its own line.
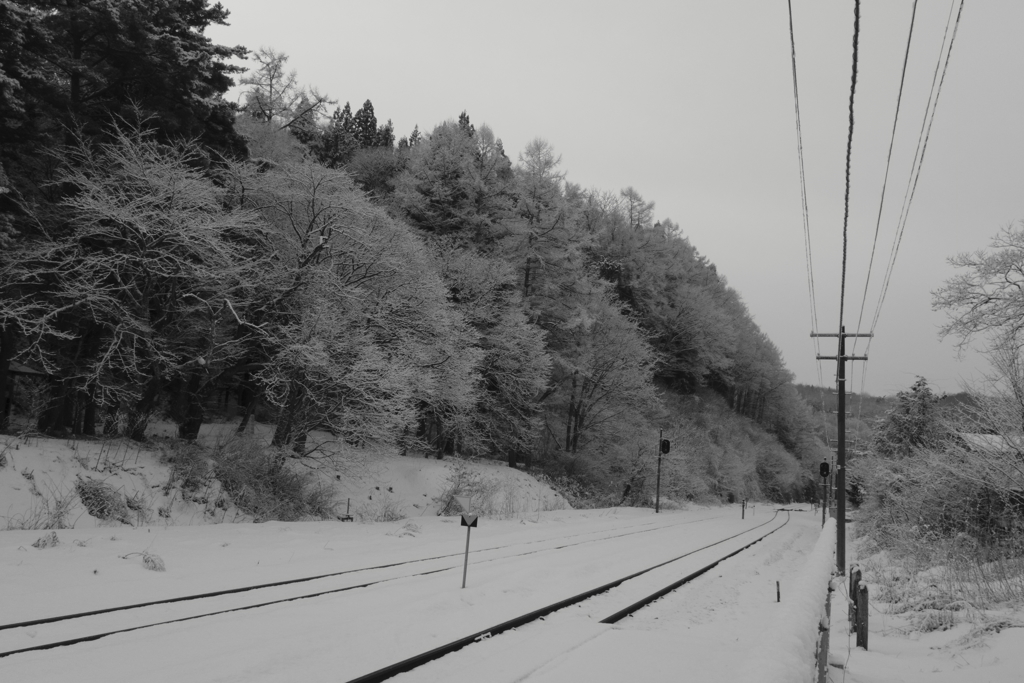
x=70, y=629
x=411, y=663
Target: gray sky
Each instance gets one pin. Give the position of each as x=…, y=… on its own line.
x=691, y=103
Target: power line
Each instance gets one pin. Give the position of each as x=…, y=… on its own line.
x=885, y=180
x=803, y=182
x=849, y=150
x=881, y=204
x=922, y=145
x=803, y=199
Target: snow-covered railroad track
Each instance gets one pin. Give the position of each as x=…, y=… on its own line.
x=70, y=629
x=744, y=540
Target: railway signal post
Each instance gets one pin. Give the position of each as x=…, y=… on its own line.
x=663, y=448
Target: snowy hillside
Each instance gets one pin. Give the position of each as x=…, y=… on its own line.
x=46, y=483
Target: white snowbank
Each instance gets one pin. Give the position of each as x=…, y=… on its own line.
x=786, y=655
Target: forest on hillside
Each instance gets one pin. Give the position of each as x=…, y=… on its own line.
x=164, y=252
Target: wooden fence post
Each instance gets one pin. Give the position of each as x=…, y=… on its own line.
x=855, y=579
x=862, y=616
x=823, y=627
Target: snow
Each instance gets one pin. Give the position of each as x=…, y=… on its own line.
x=989, y=648
x=42, y=472
x=400, y=593
x=787, y=654
x=344, y=635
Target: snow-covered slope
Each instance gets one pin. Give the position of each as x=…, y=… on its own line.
x=43, y=482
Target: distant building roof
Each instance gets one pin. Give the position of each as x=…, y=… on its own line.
x=992, y=442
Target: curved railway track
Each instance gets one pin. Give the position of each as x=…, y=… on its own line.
x=416, y=661
x=552, y=545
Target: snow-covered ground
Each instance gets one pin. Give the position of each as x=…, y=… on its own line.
x=515, y=565
x=987, y=646
x=391, y=590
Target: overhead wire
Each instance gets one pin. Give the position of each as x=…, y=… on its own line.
x=849, y=150
x=888, y=162
x=922, y=145
x=803, y=199
x=846, y=200
x=881, y=203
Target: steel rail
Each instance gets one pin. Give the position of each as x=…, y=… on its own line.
x=97, y=636
x=285, y=582
x=419, y=660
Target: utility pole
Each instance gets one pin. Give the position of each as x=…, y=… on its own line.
x=840, y=360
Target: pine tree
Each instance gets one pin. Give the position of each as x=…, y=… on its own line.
x=464, y=125
x=365, y=125
x=336, y=143
x=385, y=135
x=93, y=60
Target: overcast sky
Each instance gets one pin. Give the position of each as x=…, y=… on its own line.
x=691, y=103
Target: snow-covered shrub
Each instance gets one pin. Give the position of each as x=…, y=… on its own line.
x=150, y=561
x=934, y=513
x=383, y=508
x=578, y=494
x=260, y=482
x=510, y=500
x=464, y=480
x=407, y=529
x=139, y=504
x=49, y=540
x=102, y=500
x=48, y=511
x=191, y=466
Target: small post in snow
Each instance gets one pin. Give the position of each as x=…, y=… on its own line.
x=778, y=592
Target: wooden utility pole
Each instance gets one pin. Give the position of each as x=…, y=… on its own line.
x=841, y=359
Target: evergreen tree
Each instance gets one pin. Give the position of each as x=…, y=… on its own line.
x=364, y=125
x=457, y=182
x=94, y=60
x=385, y=136
x=465, y=126
x=337, y=144
x=915, y=422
